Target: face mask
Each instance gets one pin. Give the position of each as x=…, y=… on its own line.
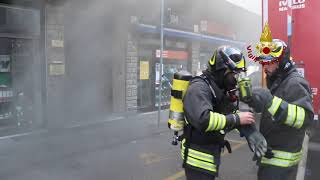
x=230, y=84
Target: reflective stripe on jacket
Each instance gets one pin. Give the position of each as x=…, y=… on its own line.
x=284, y=122
x=198, y=159
x=289, y=114
x=283, y=159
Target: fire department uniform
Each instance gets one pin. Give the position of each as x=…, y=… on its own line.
x=205, y=115
x=209, y=114
x=283, y=123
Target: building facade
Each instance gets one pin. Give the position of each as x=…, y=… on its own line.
x=92, y=59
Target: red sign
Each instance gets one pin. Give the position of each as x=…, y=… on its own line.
x=176, y=55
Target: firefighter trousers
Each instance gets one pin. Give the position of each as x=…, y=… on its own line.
x=277, y=173
x=197, y=175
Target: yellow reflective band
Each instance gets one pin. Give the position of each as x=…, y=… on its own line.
x=219, y=118
x=279, y=162
x=210, y=121
x=199, y=159
x=224, y=122
x=198, y=155
x=215, y=120
x=200, y=164
x=292, y=115
x=275, y=105
x=283, y=159
x=241, y=64
x=300, y=117
x=287, y=155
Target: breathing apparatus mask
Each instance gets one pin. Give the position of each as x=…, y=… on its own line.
x=230, y=84
x=229, y=61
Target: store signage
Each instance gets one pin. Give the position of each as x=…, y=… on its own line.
x=296, y=4
x=175, y=55
x=56, y=68
x=57, y=43
x=144, y=70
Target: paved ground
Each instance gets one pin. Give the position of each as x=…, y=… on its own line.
x=132, y=148
x=313, y=162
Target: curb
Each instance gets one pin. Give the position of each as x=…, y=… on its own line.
x=82, y=125
x=303, y=163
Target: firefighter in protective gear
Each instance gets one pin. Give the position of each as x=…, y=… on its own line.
x=287, y=110
x=210, y=111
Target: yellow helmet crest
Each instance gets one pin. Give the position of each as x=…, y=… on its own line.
x=266, y=34
x=269, y=50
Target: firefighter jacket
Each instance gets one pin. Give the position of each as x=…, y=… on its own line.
x=284, y=121
x=208, y=113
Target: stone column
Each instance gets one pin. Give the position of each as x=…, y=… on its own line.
x=55, y=58
x=195, y=57
x=131, y=74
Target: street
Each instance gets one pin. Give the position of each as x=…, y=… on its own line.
x=126, y=148
x=81, y=82
x=312, y=169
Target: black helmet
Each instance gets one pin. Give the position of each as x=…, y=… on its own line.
x=227, y=58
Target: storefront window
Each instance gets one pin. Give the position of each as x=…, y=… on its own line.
x=175, y=58
x=20, y=69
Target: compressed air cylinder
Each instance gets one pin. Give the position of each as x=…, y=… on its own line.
x=180, y=84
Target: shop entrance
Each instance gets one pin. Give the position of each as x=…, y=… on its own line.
x=20, y=77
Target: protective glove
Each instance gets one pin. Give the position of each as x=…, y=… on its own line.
x=260, y=100
x=257, y=144
x=256, y=141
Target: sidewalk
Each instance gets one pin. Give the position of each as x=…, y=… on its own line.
x=14, y=133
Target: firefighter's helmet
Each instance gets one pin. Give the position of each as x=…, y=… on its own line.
x=281, y=54
x=227, y=58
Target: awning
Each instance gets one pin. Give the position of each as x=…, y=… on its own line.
x=187, y=35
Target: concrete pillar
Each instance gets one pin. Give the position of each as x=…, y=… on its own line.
x=195, y=57
x=55, y=58
x=131, y=74
x=119, y=72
